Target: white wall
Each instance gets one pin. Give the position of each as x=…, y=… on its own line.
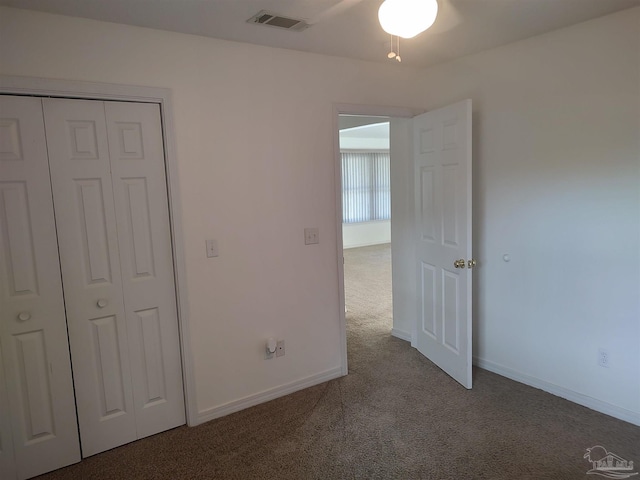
x=556, y=186
x=254, y=133
x=366, y=233
x=364, y=143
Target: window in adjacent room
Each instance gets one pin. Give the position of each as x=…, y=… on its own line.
x=366, y=192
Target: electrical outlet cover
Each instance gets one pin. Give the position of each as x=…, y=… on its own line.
x=311, y=236
x=603, y=358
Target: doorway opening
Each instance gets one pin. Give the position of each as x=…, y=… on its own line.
x=366, y=224
x=380, y=125
x=430, y=171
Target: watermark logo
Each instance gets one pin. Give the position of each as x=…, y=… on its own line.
x=608, y=464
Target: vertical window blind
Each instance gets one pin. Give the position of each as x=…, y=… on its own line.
x=366, y=187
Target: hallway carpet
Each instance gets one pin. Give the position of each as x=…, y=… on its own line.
x=395, y=416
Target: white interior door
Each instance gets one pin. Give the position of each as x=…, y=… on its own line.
x=7, y=458
x=142, y=215
x=86, y=223
x=110, y=196
x=442, y=161
x=34, y=344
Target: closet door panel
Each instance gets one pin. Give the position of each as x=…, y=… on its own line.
x=139, y=183
x=37, y=389
x=86, y=221
x=7, y=459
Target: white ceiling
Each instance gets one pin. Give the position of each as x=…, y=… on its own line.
x=375, y=130
x=346, y=121
x=373, y=136
x=347, y=28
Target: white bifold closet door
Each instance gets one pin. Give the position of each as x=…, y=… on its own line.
x=110, y=199
x=38, y=429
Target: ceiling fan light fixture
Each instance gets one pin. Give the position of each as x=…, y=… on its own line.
x=407, y=18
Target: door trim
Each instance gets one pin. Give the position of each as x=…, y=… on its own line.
x=352, y=109
x=16, y=85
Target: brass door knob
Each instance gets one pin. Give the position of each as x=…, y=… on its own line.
x=471, y=263
x=459, y=263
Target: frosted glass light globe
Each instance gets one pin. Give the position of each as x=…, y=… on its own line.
x=407, y=18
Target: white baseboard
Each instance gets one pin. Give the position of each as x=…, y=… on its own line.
x=579, y=398
x=266, y=395
x=276, y=392
x=401, y=334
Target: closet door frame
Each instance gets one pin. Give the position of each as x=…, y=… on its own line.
x=15, y=85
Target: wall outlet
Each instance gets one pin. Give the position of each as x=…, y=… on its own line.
x=311, y=236
x=280, y=348
x=603, y=358
x=212, y=248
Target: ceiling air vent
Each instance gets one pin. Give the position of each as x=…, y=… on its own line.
x=275, y=20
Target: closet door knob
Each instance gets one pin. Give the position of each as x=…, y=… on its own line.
x=102, y=303
x=24, y=316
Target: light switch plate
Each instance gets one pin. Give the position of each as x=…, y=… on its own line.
x=311, y=236
x=212, y=248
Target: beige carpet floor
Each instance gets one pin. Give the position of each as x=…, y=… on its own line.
x=395, y=416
